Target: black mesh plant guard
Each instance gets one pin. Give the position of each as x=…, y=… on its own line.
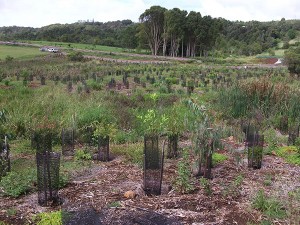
x=293, y=134
x=153, y=165
x=103, y=148
x=47, y=171
x=68, y=138
x=81, y=217
x=88, y=136
x=4, y=158
x=254, y=144
x=284, y=124
x=172, y=146
x=205, y=161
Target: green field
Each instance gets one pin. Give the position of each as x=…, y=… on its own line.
x=82, y=46
x=19, y=52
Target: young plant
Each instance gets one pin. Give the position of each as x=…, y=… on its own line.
x=47, y=218
x=271, y=207
x=183, y=182
x=205, y=183
x=82, y=154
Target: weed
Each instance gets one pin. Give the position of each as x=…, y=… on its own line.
x=218, y=158
x=233, y=188
x=17, y=183
x=290, y=154
x=3, y=223
x=205, y=183
x=133, y=152
x=114, y=204
x=183, y=179
x=11, y=211
x=82, y=154
x=271, y=141
x=268, y=180
x=270, y=207
x=293, y=206
x=48, y=218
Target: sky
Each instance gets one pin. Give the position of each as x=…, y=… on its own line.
x=38, y=13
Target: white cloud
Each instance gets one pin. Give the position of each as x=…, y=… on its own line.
x=39, y=13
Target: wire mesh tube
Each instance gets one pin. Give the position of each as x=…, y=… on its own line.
x=4, y=157
x=48, y=163
x=254, y=144
x=48, y=178
x=293, y=135
x=153, y=165
x=68, y=137
x=103, y=148
x=172, y=146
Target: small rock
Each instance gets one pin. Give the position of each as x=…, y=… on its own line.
x=129, y=194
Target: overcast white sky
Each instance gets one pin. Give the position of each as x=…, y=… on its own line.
x=38, y=13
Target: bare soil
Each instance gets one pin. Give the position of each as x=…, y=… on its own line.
x=98, y=195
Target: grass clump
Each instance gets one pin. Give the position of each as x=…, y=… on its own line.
x=15, y=184
x=290, y=154
x=133, y=152
x=218, y=158
x=271, y=207
x=82, y=154
x=183, y=180
x=49, y=218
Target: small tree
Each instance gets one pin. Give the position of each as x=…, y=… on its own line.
x=292, y=59
x=76, y=56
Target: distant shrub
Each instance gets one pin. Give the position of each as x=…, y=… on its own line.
x=76, y=56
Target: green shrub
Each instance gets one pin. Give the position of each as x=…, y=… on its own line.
x=49, y=218
x=133, y=152
x=218, y=158
x=233, y=189
x=15, y=184
x=205, y=183
x=183, y=179
x=82, y=154
x=76, y=56
x=271, y=207
x=290, y=154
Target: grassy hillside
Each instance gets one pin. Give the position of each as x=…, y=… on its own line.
x=19, y=52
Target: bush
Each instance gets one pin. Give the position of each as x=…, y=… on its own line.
x=183, y=180
x=49, y=218
x=82, y=154
x=15, y=184
x=271, y=207
x=76, y=56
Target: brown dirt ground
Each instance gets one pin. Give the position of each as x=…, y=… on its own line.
x=102, y=188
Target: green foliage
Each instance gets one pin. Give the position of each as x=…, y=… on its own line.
x=271, y=207
x=82, y=154
x=104, y=129
x=233, y=188
x=292, y=59
x=183, y=182
x=258, y=99
x=9, y=58
x=289, y=153
x=49, y=218
x=218, y=158
x=114, y=204
x=205, y=183
x=271, y=140
x=15, y=184
x=3, y=223
x=76, y=56
x=152, y=122
x=133, y=152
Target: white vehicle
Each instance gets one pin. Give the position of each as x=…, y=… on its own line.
x=52, y=50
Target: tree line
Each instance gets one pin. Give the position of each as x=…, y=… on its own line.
x=173, y=32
